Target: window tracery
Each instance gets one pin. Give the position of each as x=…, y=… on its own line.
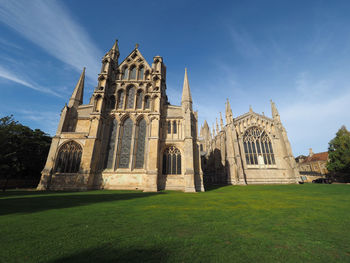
x=140, y=144
x=133, y=72
x=139, y=98
x=125, y=145
x=172, y=161
x=68, y=158
x=125, y=73
x=120, y=99
x=258, y=147
x=130, y=98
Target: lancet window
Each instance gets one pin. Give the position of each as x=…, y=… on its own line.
x=141, y=72
x=111, y=144
x=139, y=99
x=125, y=145
x=133, y=72
x=258, y=147
x=169, y=127
x=147, y=102
x=130, y=98
x=140, y=144
x=172, y=161
x=120, y=99
x=125, y=73
x=174, y=127
x=69, y=157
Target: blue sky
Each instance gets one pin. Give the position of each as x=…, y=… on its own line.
x=294, y=52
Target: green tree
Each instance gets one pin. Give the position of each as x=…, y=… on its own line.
x=339, y=152
x=23, y=151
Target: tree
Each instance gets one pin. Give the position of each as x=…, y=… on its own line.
x=23, y=151
x=339, y=152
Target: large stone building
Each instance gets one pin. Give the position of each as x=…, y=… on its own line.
x=249, y=149
x=128, y=136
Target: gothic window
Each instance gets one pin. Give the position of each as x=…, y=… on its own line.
x=140, y=144
x=111, y=144
x=258, y=147
x=130, y=98
x=125, y=143
x=147, y=102
x=174, y=127
x=139, y=98
x=169, y=127
x=133, y=72
x=141, y=70
x=120, y=99
x=125, y=73
x=172, y=161
x=68, y=158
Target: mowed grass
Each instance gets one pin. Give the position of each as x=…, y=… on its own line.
x=268, y=223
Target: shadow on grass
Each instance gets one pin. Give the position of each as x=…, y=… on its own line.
x=40, y=201
x=212, y=187
x=104, y=254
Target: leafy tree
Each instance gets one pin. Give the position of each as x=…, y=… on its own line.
x=339, y=152
x=23, y=151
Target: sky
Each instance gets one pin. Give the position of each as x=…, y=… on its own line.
x=296, y=53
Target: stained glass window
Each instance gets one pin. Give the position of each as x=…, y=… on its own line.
x=172, y=161
x=125, y=73
x=141, y=70
x=139, y=99
x=130, y=98
x=147, y=104
x=133, y=73
x=120, y=99
x=68, y=158
x=125, y=145
x=111, y=144
x=258, y=147
x=140, y=145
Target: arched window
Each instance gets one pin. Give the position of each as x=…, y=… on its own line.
x=125, y=143
x=68, y=158
x=140, y=144
x=133, y=72
x=147, y=102
x=172, y=161
x=258, y=147
x=120, y=99
x=174, y=127
x=125, y=73
x=141, y=71
x=130, y=98
x=169, y=127
x=111, y=144
x=139, y=99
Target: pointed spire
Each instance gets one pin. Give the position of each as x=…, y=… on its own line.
x=186, y=100
x=217, y=126
x=213, y=131
x=113, y=53
x=221, y=122
x=250, y=109
x=78, y=93
x=274, y=111
x=228, y=112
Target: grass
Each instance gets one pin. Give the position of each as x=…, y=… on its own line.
x=281, y=223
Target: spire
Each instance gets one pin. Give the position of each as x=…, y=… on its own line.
x=113, y=53
x=213, y=131
x=221, y=122
x=217, y=126
x=78, y=93
x=228, y=113
x=186, y=100
x=250, y=109
x=274, y=111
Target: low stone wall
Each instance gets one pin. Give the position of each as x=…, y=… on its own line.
x=19, y=183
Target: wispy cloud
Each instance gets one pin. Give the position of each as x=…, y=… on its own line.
x=244, y=43
x=10, y=75
x=49, y=25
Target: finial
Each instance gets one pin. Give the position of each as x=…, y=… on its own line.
x=250, y=108
x=137, y=45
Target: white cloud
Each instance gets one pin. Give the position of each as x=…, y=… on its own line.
x=10, y=75
x=243, y=42
x=49, y=25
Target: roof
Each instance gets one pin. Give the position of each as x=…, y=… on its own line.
x=323, y=156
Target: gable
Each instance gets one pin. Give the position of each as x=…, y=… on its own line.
x=134, y=58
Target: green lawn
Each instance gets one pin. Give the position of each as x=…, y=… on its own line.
x=282, y=223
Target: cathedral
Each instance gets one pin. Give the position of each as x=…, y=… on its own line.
x=129, y=136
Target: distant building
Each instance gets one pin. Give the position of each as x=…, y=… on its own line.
x=314, y=165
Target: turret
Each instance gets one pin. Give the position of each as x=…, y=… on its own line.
x=78, y=93
x=275, y=115
x=186, y=100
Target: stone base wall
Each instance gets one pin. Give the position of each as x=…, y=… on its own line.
x=171, y=182
x=123, y=181
x=270, y=176
x=69, y=182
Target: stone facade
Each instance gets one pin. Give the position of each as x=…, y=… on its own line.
x=249, y=149
x=129, y=136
